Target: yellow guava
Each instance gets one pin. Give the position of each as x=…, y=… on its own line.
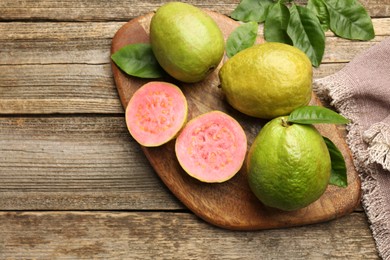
x=267, y=80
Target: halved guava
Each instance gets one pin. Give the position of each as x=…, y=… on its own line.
x=211, y=147
x=156, y=113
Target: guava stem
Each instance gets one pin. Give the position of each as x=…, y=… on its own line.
x=285, y=123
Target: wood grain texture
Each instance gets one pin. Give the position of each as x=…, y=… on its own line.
x=71, y=88
x=98, y=10
x=58, y=88
x=75, y=163
x=89, y=43
x=64, y=68
x=159, y=235
x=55, y=60
x=94, y=10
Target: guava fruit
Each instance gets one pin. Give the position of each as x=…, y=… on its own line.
x=156, y=113
x=211, y=147
x=267, y=80
x=186, y=42
x=288, y=165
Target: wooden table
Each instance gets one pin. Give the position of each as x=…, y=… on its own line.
x=74, y=184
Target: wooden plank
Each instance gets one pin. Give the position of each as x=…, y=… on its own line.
x=71, y=88
x=94, y=10
x=327, y=69
x=58, y=43
x=49, y=73
x=75, y=163
x=58, y=88
x=377, y=8
x=159, y=235
x=58, y=31
x=78, y=81
x=85, y=10
x=89, y=43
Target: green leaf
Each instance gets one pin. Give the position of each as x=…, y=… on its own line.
x=251, y=10
x=275, y=26
x=349, y=19
x=316, y=115
x=338, y=175
x=242, y=37
x=319, y=8
x=138, y=60
x=305, y=31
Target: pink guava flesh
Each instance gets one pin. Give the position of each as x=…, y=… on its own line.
x=156, y=113
x=211, y=147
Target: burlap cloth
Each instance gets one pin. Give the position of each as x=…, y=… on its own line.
x=361, y=92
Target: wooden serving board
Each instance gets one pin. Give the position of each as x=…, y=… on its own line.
x=231, y=204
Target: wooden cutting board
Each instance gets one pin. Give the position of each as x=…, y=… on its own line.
x=231, y=204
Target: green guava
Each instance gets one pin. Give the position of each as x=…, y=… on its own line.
x=211, y=147
x=156, y=113
x=267, y=80
x=187, y=42
x=288, y=165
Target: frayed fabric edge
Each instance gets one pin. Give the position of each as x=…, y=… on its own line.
x=335, y=88
x=378, y=139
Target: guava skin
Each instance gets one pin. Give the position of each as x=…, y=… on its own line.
x=288, y=165
x=186, y=42
x=267, y=80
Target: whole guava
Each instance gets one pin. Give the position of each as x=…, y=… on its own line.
x=187, y=42
x=267, y=80
x=288, y=165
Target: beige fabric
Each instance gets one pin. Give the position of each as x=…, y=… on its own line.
x=361, y=92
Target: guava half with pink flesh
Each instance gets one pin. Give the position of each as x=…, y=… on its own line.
x=156, y=113
x=211, y=147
